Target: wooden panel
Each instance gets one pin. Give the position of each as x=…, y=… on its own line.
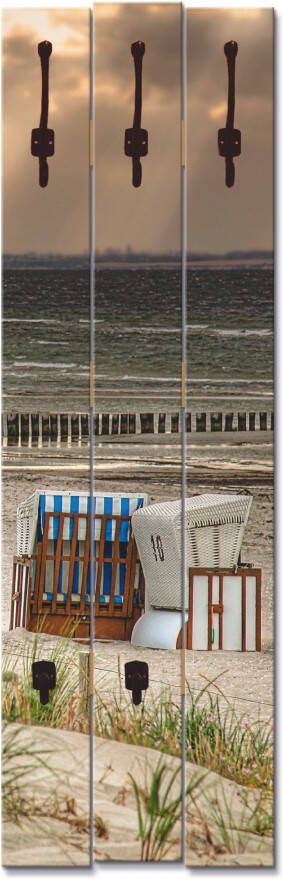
x=221, y=615
x=46, y=350
x=116, y=554
x=244, y=612
x=130, y=574
x=201, y=622
x=209, y=613
x=99, y=564
x=258, y=610
x=43, y=555
x=251, y=600
x=58, y=562
x=232, y=617
x=85, y=566
x=72, y=562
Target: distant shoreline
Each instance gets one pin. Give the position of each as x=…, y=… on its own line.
x=210, y=264
x=111, y=265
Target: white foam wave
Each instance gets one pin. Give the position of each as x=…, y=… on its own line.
x=242, y=333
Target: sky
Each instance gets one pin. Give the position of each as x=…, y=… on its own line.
x=56, y=219
x=240, y=218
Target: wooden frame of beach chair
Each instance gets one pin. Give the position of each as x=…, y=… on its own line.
x=72, y=615
x=21, y=589
x=218, y=607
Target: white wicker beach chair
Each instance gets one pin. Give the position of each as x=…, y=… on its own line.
x=215, y=525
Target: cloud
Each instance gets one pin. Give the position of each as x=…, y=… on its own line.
x=221, y=219
x=148, y=218
x=56, y=219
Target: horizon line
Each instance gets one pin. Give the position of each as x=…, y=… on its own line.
x=108, y=255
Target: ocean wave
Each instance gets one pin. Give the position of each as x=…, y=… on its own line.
x=15, y=369
x=39, y=365
x=231, y=381
x=47, y=320
x=104, y=376
x=240, y=332
x=191, y=328
x=30, y=320
x=190, y=380
x=160, y=330
x=226, y=331
x=142, y=331
x=196, y=327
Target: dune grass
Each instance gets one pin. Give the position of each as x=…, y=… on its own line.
x=221, y=821
x=217, y=738
x=67, y=707
x=156, y=723
x=157, y=801
x=38, y=800
x=233, y=746
x=158, y=811
x=18, y=762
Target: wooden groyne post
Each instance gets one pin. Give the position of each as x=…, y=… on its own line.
x=35, y=429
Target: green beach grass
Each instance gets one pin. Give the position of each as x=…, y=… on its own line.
x=217, y=740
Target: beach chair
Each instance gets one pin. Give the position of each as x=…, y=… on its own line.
x=222, y=598
x=51, y=571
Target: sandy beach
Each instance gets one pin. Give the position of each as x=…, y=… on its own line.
x=247, y=679
x=61, y=790
x=244, y=681
x=215, y=463
x=124, y=303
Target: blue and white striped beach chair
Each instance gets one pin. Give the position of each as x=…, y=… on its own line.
x=54, y=535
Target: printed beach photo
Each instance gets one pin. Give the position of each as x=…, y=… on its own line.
x=46, y=426
x=110, y=392
x=137, y=449
x=46, y=753
x=229, y=664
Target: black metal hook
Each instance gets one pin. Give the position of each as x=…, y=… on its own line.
x=44, y=678
x=42, y=138
x=229, y=138
x=136, y=138
x=136, y=679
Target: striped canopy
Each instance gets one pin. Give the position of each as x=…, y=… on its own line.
x=31, y=517
x=114, y=504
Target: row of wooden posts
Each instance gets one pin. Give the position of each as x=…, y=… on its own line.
x=34, y=428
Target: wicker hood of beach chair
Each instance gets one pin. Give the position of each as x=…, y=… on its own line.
x=222, y=596
x=215, y=526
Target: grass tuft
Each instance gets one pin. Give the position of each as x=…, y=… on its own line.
x=67, y=707
x=158, y=811
x=234, y=747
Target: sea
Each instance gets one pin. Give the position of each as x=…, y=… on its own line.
x=137, y=338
